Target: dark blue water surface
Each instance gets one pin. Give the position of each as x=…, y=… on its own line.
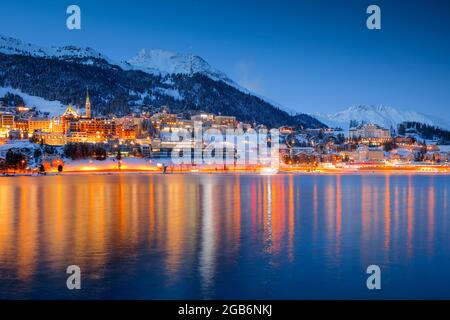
x=225, y=236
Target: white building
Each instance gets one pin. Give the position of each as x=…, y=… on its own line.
x=370, y=132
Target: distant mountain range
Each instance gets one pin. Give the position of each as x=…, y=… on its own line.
x=382, y=115
x=150, y=80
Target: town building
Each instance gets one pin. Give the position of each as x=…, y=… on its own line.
x=92, y=130
x=51, y=138
x=88, y=106
x=160, y=120
x=70, y=115
x=227, y=121
x=369, y=154
x=7, y=123
x=206, y=119
x=6, y=120
x=370, y=133
x=39, y=124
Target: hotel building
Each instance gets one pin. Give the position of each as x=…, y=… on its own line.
x=370, y=133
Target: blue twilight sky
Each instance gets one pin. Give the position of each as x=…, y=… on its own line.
x=310, y=55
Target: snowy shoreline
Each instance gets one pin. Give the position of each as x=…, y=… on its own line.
x=232, y=172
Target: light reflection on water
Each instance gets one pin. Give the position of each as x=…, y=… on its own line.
x=224, y=236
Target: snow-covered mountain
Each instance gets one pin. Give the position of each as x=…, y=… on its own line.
x=164, y=62
x=152, y=61
x=149, y=81
x=160, y=62
x=86, y=55
x=382, y=115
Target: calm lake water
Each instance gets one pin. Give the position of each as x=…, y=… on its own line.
x=224, y=236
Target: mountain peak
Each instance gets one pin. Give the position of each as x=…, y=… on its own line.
x=157, y=61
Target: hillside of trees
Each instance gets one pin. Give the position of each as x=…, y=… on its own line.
x=425, y=131
x=114, y=91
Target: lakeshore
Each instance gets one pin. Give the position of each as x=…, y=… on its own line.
x=191, y=169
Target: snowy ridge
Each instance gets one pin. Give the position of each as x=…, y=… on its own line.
x=382, y=115
x=12, y=46
x=162, y=62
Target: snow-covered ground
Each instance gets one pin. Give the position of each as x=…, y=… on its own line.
x=52, y=107
x=18, y=144
x=9, y=144
x=113, y=164
x=444, y=148
x=174, y=93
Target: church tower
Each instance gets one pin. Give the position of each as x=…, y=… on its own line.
x=88, y=105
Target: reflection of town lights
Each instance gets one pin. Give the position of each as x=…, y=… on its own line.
x=268, y=171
